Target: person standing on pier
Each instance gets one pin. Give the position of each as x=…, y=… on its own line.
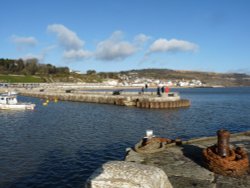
x=162, y=89
x=167, y=89
x=142, y=90
x=159, y=91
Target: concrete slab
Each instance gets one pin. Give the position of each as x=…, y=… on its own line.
x=185, y=167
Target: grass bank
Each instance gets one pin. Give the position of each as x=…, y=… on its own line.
x=20, y=79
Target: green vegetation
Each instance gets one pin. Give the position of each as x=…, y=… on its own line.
x=29, y=67
x=18, y=71
x=20, y=79
x=30, y=70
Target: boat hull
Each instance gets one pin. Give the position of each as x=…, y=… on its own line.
x=17, y=106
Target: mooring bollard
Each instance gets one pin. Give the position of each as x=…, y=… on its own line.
x=151, y=143
x=222, y=159
x=223, y=143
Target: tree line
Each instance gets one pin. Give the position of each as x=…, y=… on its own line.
x=29, y=67
x=102, y=75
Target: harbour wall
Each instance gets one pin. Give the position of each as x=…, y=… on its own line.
x=173, y=165
x=133, y=99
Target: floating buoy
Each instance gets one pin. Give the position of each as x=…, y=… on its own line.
x=45, y=104
x=55, y=100
x=47, y=101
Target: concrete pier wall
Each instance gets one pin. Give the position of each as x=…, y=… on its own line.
x=185, y=166
x=140, y=101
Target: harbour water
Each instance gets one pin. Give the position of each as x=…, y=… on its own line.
x=61, y=144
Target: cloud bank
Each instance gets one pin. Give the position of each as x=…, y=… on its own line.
x=141, y=39
x=114, y=48
x=70, y=42
x=76, y=54
x=67, y=38
x=173, y=45
x=24, y=41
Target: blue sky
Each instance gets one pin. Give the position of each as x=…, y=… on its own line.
x=115, y=35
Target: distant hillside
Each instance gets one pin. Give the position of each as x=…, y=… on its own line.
x=18, y=70
x=31, y=71
x=210, y=78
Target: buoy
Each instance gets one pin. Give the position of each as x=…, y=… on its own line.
x=55, y=100
x=47, y=101
x=45, y=104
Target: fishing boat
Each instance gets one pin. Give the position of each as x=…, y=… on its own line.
x=9, y=101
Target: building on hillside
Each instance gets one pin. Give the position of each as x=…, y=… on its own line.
x=111, y=82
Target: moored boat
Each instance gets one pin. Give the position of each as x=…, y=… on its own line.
x=9, y=102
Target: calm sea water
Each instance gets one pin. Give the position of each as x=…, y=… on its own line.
x=61, y=144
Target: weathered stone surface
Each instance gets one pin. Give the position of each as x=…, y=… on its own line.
x=185, y=167
x=184, y=182
x=225, y=182
x=121, y=174
x=134, y=156
x=181, y=170
x=124, y=99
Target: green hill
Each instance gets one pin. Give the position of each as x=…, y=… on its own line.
x=30, y=71
x=210, y=78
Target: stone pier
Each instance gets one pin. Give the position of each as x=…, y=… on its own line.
x=185, y=167
x=148, y=100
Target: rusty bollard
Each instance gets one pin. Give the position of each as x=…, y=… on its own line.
x=222, y=159
x=223, y=143
x=151, y=144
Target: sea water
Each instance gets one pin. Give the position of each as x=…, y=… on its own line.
x=61, y=144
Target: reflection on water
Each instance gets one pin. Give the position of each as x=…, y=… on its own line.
x=61, y=144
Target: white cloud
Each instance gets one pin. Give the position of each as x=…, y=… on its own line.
x=73, y=46
x=49, y=48
x=114, y=48
x=141, y=38
x=76, y=54
x=67, y=38
x=173, y=45
x=116, y=36
x=24, y=41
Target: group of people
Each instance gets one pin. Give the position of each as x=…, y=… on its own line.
x=160, y=89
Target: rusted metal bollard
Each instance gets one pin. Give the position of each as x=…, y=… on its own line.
x=223, y=143
x=222, y=159
x=151, y=144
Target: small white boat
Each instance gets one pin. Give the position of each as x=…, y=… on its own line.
x=9, y=102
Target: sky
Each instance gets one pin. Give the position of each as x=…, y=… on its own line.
x=117, y=35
